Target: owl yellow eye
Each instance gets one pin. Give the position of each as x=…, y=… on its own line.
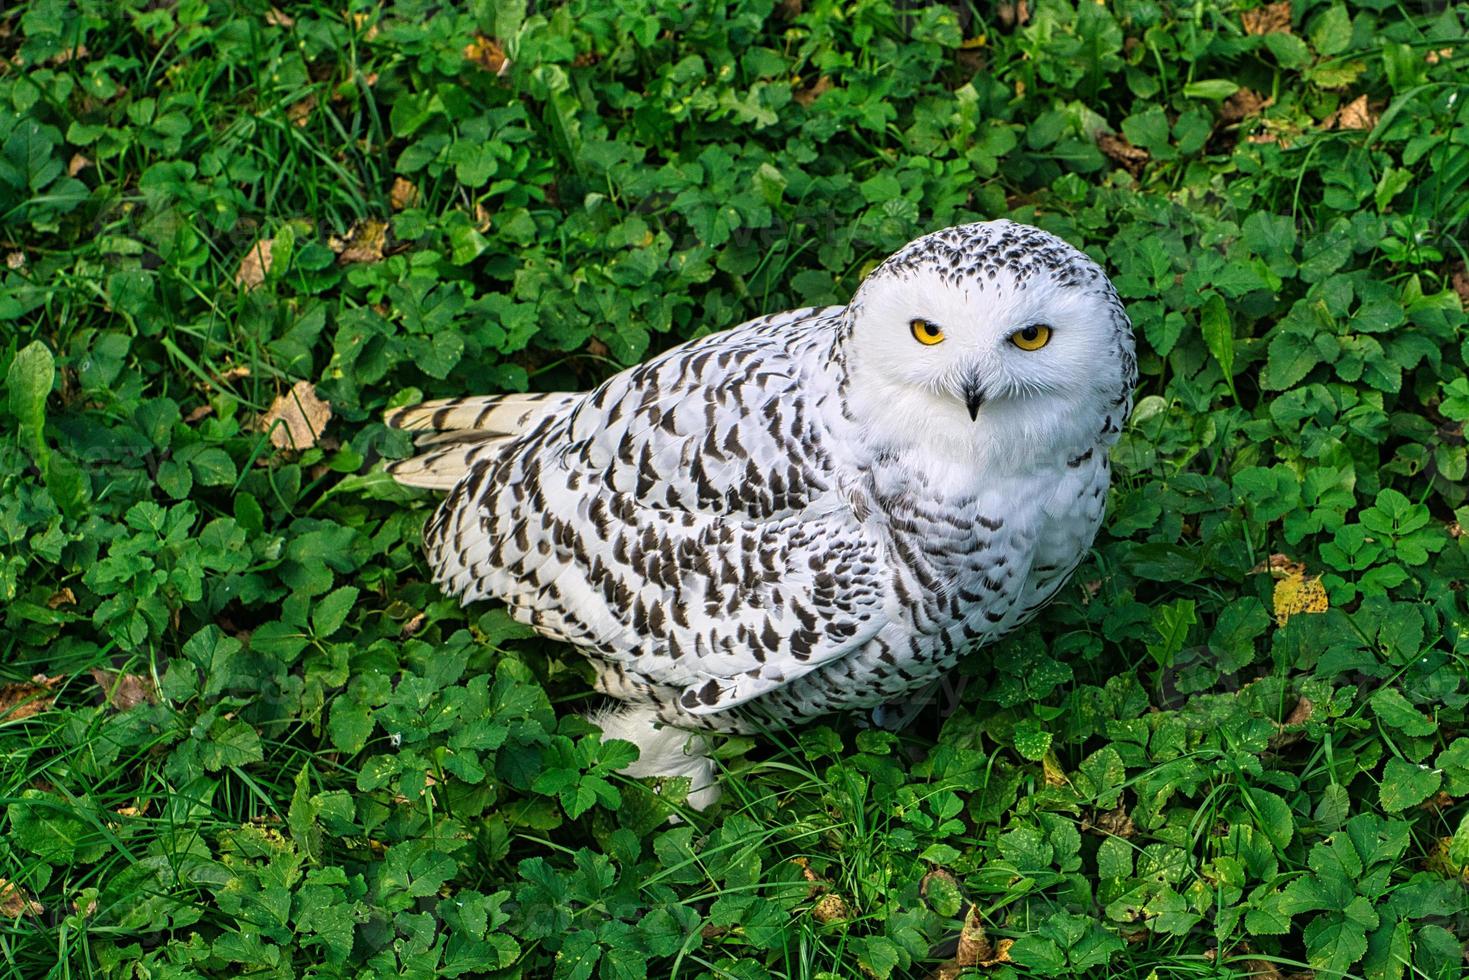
x=1033, y=337
x=926, y=333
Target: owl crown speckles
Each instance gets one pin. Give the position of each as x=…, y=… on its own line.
x=815, y=510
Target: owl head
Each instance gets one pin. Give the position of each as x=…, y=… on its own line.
x=994, y=338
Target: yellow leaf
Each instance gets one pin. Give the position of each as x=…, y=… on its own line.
x=1298, y=594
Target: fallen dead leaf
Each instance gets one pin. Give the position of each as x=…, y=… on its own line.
x=198, y=412
x=234, y=374
x=77, y=164
x=1434, y=57
x=124, y=691
x=66, y=55
x=412, y=626
x=1116, y=822
x=1130, y=158
x=1272, y=18
x=831, y=907
x=1243, y=104
x=974, y=949
x=14, y=902
x=1438, y=801
x=276, y=18
x=254, y=265
x=1295, y=594
x=483, y=217
x=1354, y=115
x=1455, y=531
x=295, y=419
x=22, y=700
x=1013, y=14
x=1301, y=713
x=15, y=260
x=1280, y=566
x=808, y=95
x=364, y=242
x=300, y=113
x=487, y=54
x=404, y=194
x=61, y=597
x=1461, y=284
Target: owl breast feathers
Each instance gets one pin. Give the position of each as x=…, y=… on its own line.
x=815, y=510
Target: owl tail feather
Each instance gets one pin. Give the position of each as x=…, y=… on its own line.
x=663, y=749
x=463, y=431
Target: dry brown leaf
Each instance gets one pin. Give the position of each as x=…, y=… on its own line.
x=275, y=18
x=483, y=218
x=412, y=626
x=811, y=93
x=1354, y=115
x=295, y=419
x=1460, y=281
x=15, y=260
x=1243, y=104
x=23, y=700
x=124, y=691
x=1131, y=158
x=1273, y=18
x=1455, y=531
x=61, y=597
x=14, y=902
x=365, y=242
x=487, y=54
x=1280, y=566
x=1116, y=822
x=974, y=948
x=198, y=412
x=1434, y=57
x=66, y=55
x=300, y=113
x=254, y=265
x=404, y=194
x=1013, y=14
x=1301, y=713
x=1438, y=801
x=234, y=374
x=77, y=164
x=831, y=907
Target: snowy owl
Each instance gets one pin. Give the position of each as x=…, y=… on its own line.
x=815, y=510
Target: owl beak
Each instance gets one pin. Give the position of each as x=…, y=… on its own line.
x=973, y=398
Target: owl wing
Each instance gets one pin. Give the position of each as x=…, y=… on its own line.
x=681, y=523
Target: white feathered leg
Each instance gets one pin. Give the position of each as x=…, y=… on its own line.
x=663, y=749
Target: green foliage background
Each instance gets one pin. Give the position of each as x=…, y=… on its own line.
x=341, y=773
